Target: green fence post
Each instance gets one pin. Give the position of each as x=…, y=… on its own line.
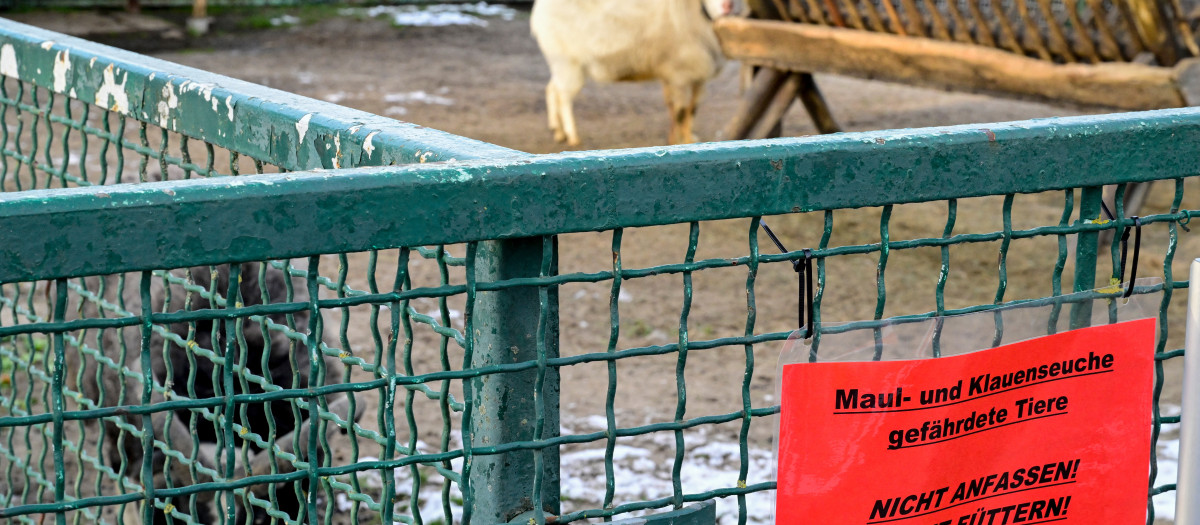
x=1085, y=254
x=506, y=331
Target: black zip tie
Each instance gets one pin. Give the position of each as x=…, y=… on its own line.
x=1107, y=211
x=774, y=239
x=1137, y=249
x=807, y=298
x=806, y=282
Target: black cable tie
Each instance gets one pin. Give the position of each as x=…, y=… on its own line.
x=774, y=239
x=808, y=277
x=1137, y=249
x=800, y=303
x=1107, y=211
x=804, y=271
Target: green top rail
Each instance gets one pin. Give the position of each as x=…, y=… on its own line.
x=519, y=197
x=297, y=133
x=480, y=191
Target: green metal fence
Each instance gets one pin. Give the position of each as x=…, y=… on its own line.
x=409, y=348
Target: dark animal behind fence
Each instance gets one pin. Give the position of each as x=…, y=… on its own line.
x=188, y=362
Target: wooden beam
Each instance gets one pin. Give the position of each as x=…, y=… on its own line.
x=946, y=65
x=772, y=116
x=762, y=90
x=816, y=106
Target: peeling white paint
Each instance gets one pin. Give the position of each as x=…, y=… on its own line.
x=367, y=146
x=62, y=64
x=8, y=61
x=337, y=152
x=151, y=77
x=110, y=89
x=165, y=104
x=302, y=126
x=92, y=62
x=425, y=156
x=205, y=90
x=47, y=45
x=229, y=104
x=354, y=129
x=72, y=93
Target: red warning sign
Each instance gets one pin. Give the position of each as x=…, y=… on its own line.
x=1054, y=429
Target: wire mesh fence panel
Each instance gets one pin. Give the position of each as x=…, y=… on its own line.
x=79, y=121
x=193, y=329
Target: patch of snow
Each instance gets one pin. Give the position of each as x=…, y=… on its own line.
x=419, y=96
x=456, y=316
x=343, y=502
x=428, y=500
x=642, y=471
x=285, y=20
x=335, y=97
x=595, y=422
x=1168, y=465
x=1168, y=472
x=437, y=15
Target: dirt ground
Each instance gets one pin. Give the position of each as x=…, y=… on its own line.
x=487, y=83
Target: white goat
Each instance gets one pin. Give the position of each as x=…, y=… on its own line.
x=623, y=40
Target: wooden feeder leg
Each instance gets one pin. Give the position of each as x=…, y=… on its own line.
x=762, y=90
x=198, y=23
x=817, y=108
x=1135, y=197
x=780, y=103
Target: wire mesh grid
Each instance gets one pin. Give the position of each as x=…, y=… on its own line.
x=55, y=141
x=656, y=416
x=52, y=140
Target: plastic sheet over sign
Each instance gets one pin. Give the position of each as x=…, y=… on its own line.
x=1048, y=429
